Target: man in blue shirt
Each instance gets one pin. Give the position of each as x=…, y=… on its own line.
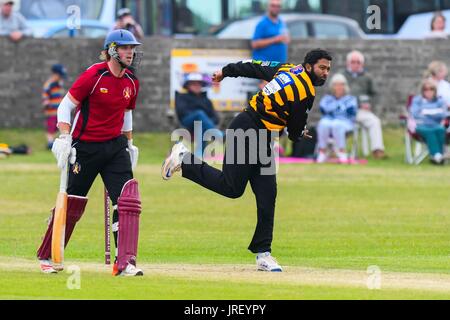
x=271, y=38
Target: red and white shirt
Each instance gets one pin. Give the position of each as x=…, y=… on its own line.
x=108, y=97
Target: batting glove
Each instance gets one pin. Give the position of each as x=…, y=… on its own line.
x=134, y=154
x=63, y=151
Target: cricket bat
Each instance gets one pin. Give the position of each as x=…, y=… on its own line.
x=59, y=220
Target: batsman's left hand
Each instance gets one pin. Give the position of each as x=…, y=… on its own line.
x=134, y=154
x=63, y=151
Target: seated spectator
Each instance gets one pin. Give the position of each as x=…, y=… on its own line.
x=437, y=27
x=52, y=95
x=194, y=105
x=12, y=23
x=338, y=117
x=438, y=71
x=428, y=112
x=126, y=21
x=362, y=85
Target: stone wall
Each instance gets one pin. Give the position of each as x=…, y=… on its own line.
x=396, y=66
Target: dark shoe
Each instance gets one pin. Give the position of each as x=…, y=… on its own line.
x=379, y=154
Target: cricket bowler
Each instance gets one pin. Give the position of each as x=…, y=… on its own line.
x=283, y=103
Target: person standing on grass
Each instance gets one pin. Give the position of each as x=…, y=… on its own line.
x=52, y=95
x=283, y=103
x=99, y=141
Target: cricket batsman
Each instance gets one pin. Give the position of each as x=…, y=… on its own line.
x=283, y=103
x=99, y=141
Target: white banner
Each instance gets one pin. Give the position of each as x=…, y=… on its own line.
x=232, y=94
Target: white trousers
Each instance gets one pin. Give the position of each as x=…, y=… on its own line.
x=335, y=128
x=372, y=124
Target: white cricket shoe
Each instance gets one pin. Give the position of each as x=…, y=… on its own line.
x=47, y=266
x=173, y=161
x=131, y=271
x=321, y=157
x=265, y=262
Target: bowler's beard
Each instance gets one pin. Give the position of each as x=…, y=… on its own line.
x=316, y=81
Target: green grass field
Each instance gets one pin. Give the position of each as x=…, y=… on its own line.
x=332, y=223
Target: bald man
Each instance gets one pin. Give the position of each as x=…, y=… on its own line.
x=271, y=38
x=361, y=86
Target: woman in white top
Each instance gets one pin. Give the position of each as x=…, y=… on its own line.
x=438, y=27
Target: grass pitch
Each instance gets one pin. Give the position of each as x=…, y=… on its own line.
x=332, y=223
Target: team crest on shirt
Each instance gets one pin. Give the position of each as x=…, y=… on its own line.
x=104, y=90
x=127, y=93
x=297, y=70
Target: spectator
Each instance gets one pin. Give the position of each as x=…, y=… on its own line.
x=52, y=95
x=271, y=37
x=338, y=116
x=194, y=105
x=438, y=71
x=361, y=85
x=126, y=21
x=183, y=18
x=12, y=23
x=437, y=27
x=428, y=112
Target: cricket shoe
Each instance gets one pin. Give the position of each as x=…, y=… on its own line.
x=265, y=262
x=115, y=271
x=173, y=162
x=47, y=266
x=131, y=271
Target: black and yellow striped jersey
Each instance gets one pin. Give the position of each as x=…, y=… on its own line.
x=286, y=99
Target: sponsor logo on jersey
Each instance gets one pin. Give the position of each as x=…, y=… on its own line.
x=272, y=87
x=284, y=79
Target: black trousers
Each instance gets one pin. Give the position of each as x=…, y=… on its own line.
x=110, y=159
x=232, y=180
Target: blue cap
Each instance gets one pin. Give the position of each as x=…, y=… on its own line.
x=121, y=37
x=59, y=69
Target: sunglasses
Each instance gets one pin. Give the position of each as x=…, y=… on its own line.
x=428, y=89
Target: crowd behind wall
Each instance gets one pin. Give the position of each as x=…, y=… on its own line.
x=397, y=68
